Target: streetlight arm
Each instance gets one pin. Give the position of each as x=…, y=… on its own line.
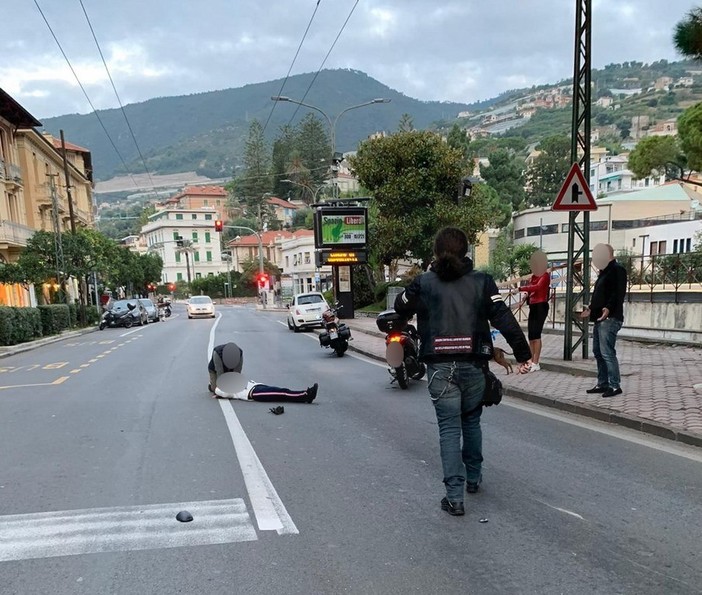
x=260, y=243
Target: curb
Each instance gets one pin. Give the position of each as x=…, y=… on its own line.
x=31, y=345
x=613, y=417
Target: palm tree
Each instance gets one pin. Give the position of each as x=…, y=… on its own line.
x=688, y=35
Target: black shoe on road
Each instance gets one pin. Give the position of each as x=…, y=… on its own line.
x=312, y=392
x=453, y=508
x=597, y=389
x=472, y=488
x=612, y=392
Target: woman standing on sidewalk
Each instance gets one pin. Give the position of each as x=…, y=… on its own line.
x=537, y=296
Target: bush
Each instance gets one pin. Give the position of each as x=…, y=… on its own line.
x=92, y=316
x=73, y=310
x=18, y=325
x=54, y=318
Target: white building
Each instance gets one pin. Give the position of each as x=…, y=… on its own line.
x=620, y=219
x=611, y=174
x=196, y=225
x=299, y=263
x=673, y=237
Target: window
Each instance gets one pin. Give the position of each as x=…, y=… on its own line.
x=307, y=258
x=196, y=256
x=179, y=216
x=194, y=215
x=205, y=203
x=219, y=203
x=518, y=233
x=210, y=274
x=675, y=246
x=208, y=217
x=176, y=235
x=198, y=275
x=688, y=245
x=287, y=262
x=177, y=255
x=663, y=247
x=599, y=225
x=208, y=255
x=194, y=236
x=179, y=276
x=542, y=230
x=208, y=237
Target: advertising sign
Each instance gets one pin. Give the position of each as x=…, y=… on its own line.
x=341, y=227
x=342, y=257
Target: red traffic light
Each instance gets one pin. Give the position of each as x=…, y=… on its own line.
x=262, y=280
x=171, y=287
x=219, y=225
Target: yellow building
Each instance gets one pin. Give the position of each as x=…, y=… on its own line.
x=41, y=162
x=14, y=225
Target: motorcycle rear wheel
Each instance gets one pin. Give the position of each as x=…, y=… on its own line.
x=401, y=376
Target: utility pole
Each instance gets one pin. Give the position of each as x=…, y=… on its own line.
x=580, y=153
x=187, y=264
x=58, y=243
x=69, y=196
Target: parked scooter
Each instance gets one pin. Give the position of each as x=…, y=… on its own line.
x=336, y=334
x=115, y=319
x=401, y=348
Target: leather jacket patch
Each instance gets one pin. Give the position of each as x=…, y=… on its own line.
x=456, y=344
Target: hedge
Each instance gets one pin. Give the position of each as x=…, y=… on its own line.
x=18, y=325
x=54, y=318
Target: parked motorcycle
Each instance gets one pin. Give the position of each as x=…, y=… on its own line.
x=165, y=310
x=401, y=348
x=336, y=334
x=123, y=318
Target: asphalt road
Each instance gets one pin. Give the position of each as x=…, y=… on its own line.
x=104, y=438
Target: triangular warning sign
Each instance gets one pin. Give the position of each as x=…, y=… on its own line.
x=575, y=194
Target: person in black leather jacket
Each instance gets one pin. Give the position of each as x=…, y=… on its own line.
x=455, y=306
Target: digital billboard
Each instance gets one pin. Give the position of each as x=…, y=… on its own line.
x=341, y=227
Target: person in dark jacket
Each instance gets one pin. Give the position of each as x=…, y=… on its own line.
x=606, y=310
x=455, y=306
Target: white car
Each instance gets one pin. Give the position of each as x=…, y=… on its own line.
x=306, y=311
x=201, y=305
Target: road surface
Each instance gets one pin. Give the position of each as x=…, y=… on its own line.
x=105, y=438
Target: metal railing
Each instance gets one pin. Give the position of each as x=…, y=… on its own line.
x=15, y=233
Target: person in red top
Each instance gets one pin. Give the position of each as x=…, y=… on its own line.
x=537, y=290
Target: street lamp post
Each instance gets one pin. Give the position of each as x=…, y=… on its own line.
x=314, y=191
x=260, y=246
x=332, y=123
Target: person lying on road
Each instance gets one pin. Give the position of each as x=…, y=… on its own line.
x=229, y=358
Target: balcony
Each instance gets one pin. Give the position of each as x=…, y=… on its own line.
x=13, y=174
x=14, y=234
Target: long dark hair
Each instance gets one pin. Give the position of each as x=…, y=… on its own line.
x=450, y=248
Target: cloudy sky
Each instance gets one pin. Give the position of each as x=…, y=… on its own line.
x=460, y=50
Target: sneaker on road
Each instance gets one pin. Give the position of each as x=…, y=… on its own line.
x=534, y=367
x=453, y=508
x=612, y=392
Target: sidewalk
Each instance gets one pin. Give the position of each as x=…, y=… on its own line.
x=7, y=351
x=658, y=381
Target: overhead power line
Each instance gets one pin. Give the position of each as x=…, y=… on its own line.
x=87, y=97
x=316, y=74
x=119, y=100
x=297, y=53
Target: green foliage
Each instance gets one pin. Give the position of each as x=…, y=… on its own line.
x=214, y=286
x=509, y=260
x=413, y=178
x=406, y=123
x=19, y=325
x=54, y=318
x=457, y=139
x=688, y=35
x=548, y=171
x=362, y=287
x=652, y=154
x=505, y=175
x=690, y=131
x=499, y=209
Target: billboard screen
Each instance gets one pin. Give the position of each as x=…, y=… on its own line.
x=341, y=227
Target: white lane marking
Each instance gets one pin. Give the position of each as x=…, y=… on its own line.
x=569, y=512
x=660, y=444
x=269, y=510
x=123, y=528
x=136, y=330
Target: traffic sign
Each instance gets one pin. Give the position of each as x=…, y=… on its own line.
x=575, y=193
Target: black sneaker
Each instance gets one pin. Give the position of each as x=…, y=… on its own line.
x=312, y=392
x=472, y=488
x=597, y=389
x=612, y=392
x=453, y=508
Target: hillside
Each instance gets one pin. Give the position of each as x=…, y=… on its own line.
x=204, y=132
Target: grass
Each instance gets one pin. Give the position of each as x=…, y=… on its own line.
x=378, y=307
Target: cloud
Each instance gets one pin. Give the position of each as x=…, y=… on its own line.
x=460, y=50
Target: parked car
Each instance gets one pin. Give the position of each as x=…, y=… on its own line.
x=201, y=305
x=306, y=311
x=138, y=313
x=151, y=310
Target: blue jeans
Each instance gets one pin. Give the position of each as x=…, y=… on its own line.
x=456, y=389
x=603, y=346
